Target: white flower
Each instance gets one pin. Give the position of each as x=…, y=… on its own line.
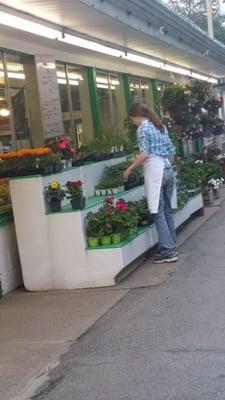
x=198, y=162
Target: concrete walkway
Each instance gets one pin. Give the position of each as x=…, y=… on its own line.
x=36, y=328
x=163, y=343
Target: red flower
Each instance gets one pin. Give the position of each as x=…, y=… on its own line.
x=109, y=201
x=121, y=205
x=109, y=212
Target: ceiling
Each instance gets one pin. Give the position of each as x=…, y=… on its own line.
x=110, y=21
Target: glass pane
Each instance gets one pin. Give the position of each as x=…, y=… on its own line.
x=80, y=103
x=146, y=93
x=118, y=100
x=17, y=89
x=5, y=129
x=135, y=91
x=104, y=98
x=63, y=93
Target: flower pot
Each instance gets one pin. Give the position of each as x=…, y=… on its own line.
x=115, y=190
x=78, y=203
x=97, y=192
x=132, y=231
x=109, y=191
x=54, y=205
x=106, y=240
x=63, y=162
x=93, y=241
x=130, y=185
x=116, y=238
x=141, y=180
x=58, y=167
x=216, y=194
x=68, y=163
x=207, y=194
x=47, y=170
x=103, y=192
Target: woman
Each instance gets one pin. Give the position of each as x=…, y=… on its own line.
x=156, y=152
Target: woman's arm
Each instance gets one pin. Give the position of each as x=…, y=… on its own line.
x=135, y=164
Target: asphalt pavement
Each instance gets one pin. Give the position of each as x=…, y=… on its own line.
x=157, y=343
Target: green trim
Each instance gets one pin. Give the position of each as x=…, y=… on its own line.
x=14, y=178
x=155, y=96
x=95, y=109
x=91, y=202
x=197, y=145
x=10, y=51
x=6, y=217
x=127, y=93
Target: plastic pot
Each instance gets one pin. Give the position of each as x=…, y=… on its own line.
x=78, y=203
x=117, y=238
x=54, y=205
x=93, y=241
x=106, y=240
x=132, y=231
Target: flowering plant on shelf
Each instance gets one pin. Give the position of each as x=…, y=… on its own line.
x=54, y=191
x=61, y=145
x=215, y=183
x=74, y=189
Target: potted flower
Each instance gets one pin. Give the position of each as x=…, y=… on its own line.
x=75, y=194
x=93, y=226
x=54, y=195
x=62, y=146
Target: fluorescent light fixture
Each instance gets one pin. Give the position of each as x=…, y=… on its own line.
x=89, y=45
x=16, y=75
x=61, y=81
x=102, y=86
x=4, y=112
x=143, y=60
x=28, y=26
x=213, y=80
x=72, y=75
x=176, y=70
x=60, y=74
x=199, y=76
x=64, y=82
x=73, y=83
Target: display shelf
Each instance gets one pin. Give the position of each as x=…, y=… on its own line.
x=94, y=201
x=53, y=247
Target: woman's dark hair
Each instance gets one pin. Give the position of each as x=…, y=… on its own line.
x=140, y=110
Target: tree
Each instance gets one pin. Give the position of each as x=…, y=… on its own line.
x=195, y=10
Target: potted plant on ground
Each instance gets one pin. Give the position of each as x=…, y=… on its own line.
x=74, y=191
x=54, y=195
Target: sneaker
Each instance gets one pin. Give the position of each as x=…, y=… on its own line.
x=166, y=258
x=159, y=254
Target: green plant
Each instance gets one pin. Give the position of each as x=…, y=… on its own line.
x=54, y=191
x=141, y=208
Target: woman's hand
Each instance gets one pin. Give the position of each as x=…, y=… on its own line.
x=127, y=173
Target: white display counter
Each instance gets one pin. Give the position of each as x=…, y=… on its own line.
x=10, y=271
x=53, y=248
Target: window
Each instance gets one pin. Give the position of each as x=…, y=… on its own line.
x=14, y=120
x=141, y=91
x=75, y=103
x=111, y=99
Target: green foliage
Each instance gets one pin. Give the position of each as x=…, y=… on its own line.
x=194, y=174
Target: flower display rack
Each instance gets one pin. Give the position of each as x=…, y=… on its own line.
x=53, y=247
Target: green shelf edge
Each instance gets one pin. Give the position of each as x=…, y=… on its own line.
x=96, y=201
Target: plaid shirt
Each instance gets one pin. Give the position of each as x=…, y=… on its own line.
x=152, y=141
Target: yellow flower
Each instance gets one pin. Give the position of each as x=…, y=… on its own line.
x=55, y=185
